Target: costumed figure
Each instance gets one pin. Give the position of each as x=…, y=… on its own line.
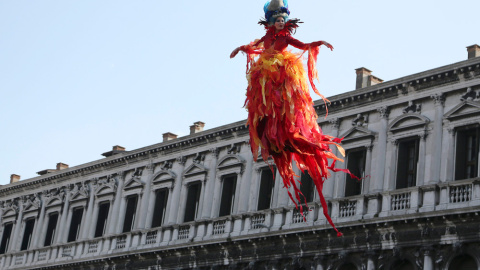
x=281, y=119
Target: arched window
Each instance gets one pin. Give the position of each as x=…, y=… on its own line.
x=464, y=262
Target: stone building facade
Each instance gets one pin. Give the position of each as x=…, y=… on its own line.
x=193, y=202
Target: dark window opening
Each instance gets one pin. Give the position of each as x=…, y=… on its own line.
x=464, y=262
x=228, y=195
x=27, y=233
x=356, y=164
x=51, y=227
x=407, y=163
x=402, y=265
x=161, y=199
x=265, y=193
x=102, y=217
x=348, y=266
x=307, y=188
x=75, y=223
x=7, y=233
x=193, y=199
x=130, y=213
x=466, y=162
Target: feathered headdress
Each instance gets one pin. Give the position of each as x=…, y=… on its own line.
x=274, y=9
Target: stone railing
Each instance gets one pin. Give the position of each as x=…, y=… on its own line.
x=410, y=201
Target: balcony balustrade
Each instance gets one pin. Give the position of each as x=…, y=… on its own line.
x=452, y=195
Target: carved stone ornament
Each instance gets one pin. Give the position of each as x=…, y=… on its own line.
x=199, y=158
x=182, y=160
x=233, y=149
x=438, y=99
x=32, y=201
x=167, y=165
x=10, y=205
x=215, y=151
x=470, y=95
x=109, y=183
x=412, y=108
x=360, y=121
x=54, y=194
x=384, y=111
x=79, y=189
x=335, y=122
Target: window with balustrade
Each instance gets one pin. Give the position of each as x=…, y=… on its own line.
x=265, y=194
x=407, y=163
x=6, y=235
x=75, y=223
x=356, y=159
x=160, y=209
x=130, y=213
x=51, y=229
x=102, y=217
x=229, y=183
x=193, y=201
x=466, y=156
x=27, y=233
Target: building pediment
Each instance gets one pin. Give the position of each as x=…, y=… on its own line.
x=357, y=133
x=79, y=192
x=463, y=110
x=164, y=175
x=105, y=186
x=195, y=169
x=229, y=161
x=408, y=121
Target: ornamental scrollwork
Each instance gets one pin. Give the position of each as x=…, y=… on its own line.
x=32, y=201
x=470, y=95
x=360, y=121
x=412, y=108
x=384, y=111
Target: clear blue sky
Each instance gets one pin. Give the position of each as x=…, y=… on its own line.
x=77, y=77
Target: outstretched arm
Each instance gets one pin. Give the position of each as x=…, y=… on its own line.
x=304, y=46
x=247, y=48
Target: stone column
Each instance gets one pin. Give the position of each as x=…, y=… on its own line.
x=439, y=100
x=120, y=215
x=151, y=209
x=254, y=189
x=89, y=212
x=427, y=259
x=38, y=228
x=210, y=182
x=178, y=168
x=216, y=197
x=113, y=222
x=246, y=181
x=371, y=260
x=15, y=240
x=448, y=170
x=390, y=170
x=91, y=231
x=421, y=160
x=329, y=184
x=377, y=181
x=368, y=170
x=66, y=226
x=181, y=204
x=59, y=238
x=144, y=209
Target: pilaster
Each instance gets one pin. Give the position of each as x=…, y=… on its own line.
x=439, y=100
x=378, y=179
x=174, y=206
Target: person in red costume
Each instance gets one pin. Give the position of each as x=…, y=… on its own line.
x=281, y=119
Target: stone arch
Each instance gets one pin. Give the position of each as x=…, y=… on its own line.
x=408, y=121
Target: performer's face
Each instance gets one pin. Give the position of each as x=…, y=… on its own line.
x=279, y=23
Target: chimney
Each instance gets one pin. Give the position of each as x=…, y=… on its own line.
x=117, y=149
x=14, y=178
x=473, y=51
x=196, y=127
x=365, y=78
x=169, y=136
x=61, y=166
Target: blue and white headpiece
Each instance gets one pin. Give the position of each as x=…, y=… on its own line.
x=274, y=9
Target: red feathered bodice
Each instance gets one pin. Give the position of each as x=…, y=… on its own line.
x=280, y=40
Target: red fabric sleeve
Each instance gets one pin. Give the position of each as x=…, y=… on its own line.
x=251, y=48
x=297, y=43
